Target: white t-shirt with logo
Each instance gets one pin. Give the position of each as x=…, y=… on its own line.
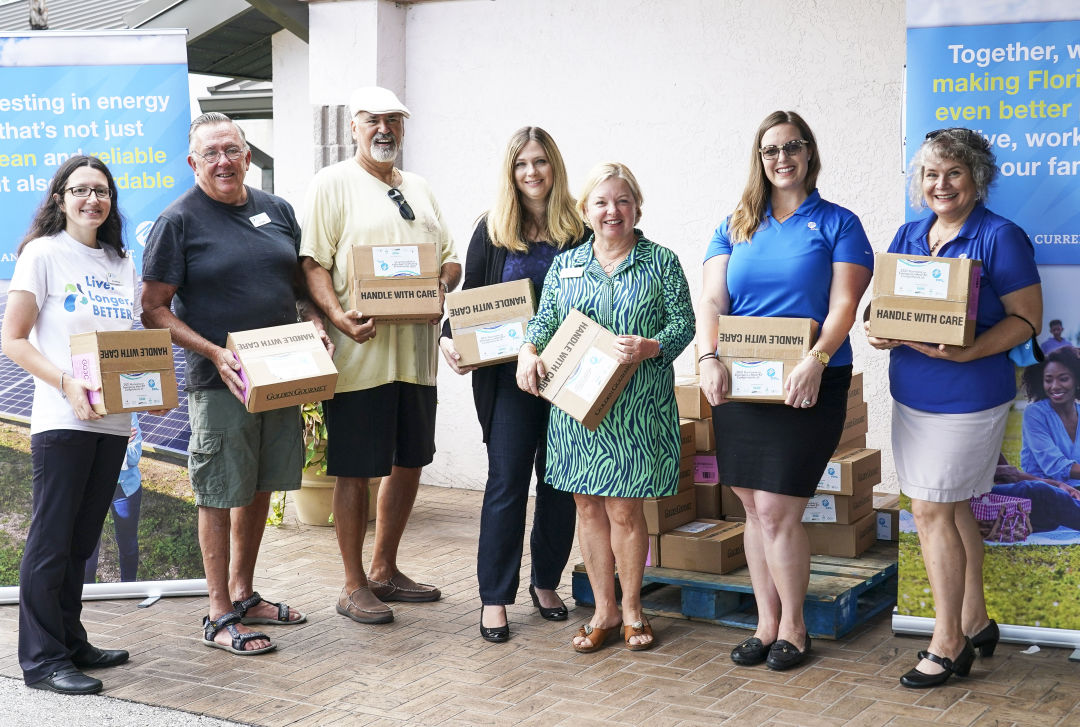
x=77, y=289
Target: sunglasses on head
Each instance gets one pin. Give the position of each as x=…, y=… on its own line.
x=962, y=134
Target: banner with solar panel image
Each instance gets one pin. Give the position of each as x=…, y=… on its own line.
x=121, y=96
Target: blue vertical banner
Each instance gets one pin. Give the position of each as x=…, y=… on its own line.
x=1019, y=85
x=121, y=96
x=1011, y=71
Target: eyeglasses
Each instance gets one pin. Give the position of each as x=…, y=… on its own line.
x=402, y=206
x=232, y=154
x=83, y=192
x=791, y=149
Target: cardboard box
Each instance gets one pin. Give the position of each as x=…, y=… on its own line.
x=856, y=424
x=283, y=366
x=686, y=438
x=705, y=467
x=134, y=369
x=704, y=438
x=848, y=468
x=887, y=515
x=488, y=323
x=855, y=391
x=928, y=299
x=691, y=399
x=843, y=509
x=686, y=473
x=708, y=500
x=652, y=558
x=584, y=377
x=395, y=283
x=857, y=442
x=759, y=354
x=730, y=504
x=664, y=513
x=706, y=546
x=842, y=541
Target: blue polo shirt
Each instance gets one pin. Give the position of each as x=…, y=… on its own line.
x=785, y=271
x=1008, y=264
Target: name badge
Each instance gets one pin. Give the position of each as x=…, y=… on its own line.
x=260, y=219
x=571, y=272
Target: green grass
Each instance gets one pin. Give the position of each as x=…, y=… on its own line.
x=168, y=534
x=1035, y=585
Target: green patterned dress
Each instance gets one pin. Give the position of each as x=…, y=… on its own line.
x=635, y=450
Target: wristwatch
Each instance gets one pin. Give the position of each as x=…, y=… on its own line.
x=821, y=356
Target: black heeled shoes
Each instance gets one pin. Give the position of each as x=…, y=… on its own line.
x=961, y=666
x=551, y=614
x=987, y=639
x=494, y=634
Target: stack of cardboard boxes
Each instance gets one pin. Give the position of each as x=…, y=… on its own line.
x=685, y=529
x=840, y=517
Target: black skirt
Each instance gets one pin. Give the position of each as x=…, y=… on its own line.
x=778, y=448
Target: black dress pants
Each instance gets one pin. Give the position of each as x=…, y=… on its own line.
x=75, y=474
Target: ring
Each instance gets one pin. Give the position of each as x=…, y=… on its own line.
x=806, y=402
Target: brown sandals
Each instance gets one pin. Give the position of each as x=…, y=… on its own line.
x=639, y=628
x=597, y=637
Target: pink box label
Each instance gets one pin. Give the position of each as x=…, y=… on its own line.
x=705, y=469
x=83, y=369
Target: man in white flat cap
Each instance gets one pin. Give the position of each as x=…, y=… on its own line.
x=381, y=421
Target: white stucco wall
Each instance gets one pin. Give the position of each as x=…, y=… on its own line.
x=674, y=89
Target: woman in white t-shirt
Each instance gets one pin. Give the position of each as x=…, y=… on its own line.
x=72, y=276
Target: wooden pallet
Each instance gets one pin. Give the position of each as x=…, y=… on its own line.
x=843, y=592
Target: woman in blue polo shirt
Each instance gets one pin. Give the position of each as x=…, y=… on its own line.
x=783, y=252
x=951, y=403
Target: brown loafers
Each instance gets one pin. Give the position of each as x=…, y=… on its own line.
x=360, y=606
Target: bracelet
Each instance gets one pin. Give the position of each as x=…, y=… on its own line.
x=63, y=394
x=708, y=355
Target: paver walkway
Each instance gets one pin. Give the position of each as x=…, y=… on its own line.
x=430, y=666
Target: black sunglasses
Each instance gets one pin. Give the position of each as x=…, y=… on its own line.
x=963, y=134
x=402, y=205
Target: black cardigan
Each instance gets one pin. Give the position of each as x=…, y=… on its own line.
x=484, y=266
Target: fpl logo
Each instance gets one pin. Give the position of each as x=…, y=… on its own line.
x=75, y=295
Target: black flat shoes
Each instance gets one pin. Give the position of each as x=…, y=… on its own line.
x=960, y=666
x=68, y=680
x=94, y=658
x=551, y=614
x=784, y=655
x=750, y=652
x=494, y=634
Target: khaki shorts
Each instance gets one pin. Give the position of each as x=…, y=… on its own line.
x=232, y=454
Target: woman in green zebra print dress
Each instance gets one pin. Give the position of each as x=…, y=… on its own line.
x=636, y=289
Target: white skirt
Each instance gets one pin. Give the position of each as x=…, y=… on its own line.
x=947, y=457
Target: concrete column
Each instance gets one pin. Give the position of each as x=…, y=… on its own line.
x=352, y=43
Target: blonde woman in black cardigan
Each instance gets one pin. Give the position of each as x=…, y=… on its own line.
x=532, y=220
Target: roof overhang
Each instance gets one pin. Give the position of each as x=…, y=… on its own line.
x=226, y=37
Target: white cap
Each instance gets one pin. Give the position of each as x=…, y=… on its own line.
x=376, y=100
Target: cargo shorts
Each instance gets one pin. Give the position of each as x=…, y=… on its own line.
x=232, y=453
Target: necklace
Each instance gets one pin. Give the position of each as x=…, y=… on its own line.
x=942, y=236
x=609, y=266
x=781, y=218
